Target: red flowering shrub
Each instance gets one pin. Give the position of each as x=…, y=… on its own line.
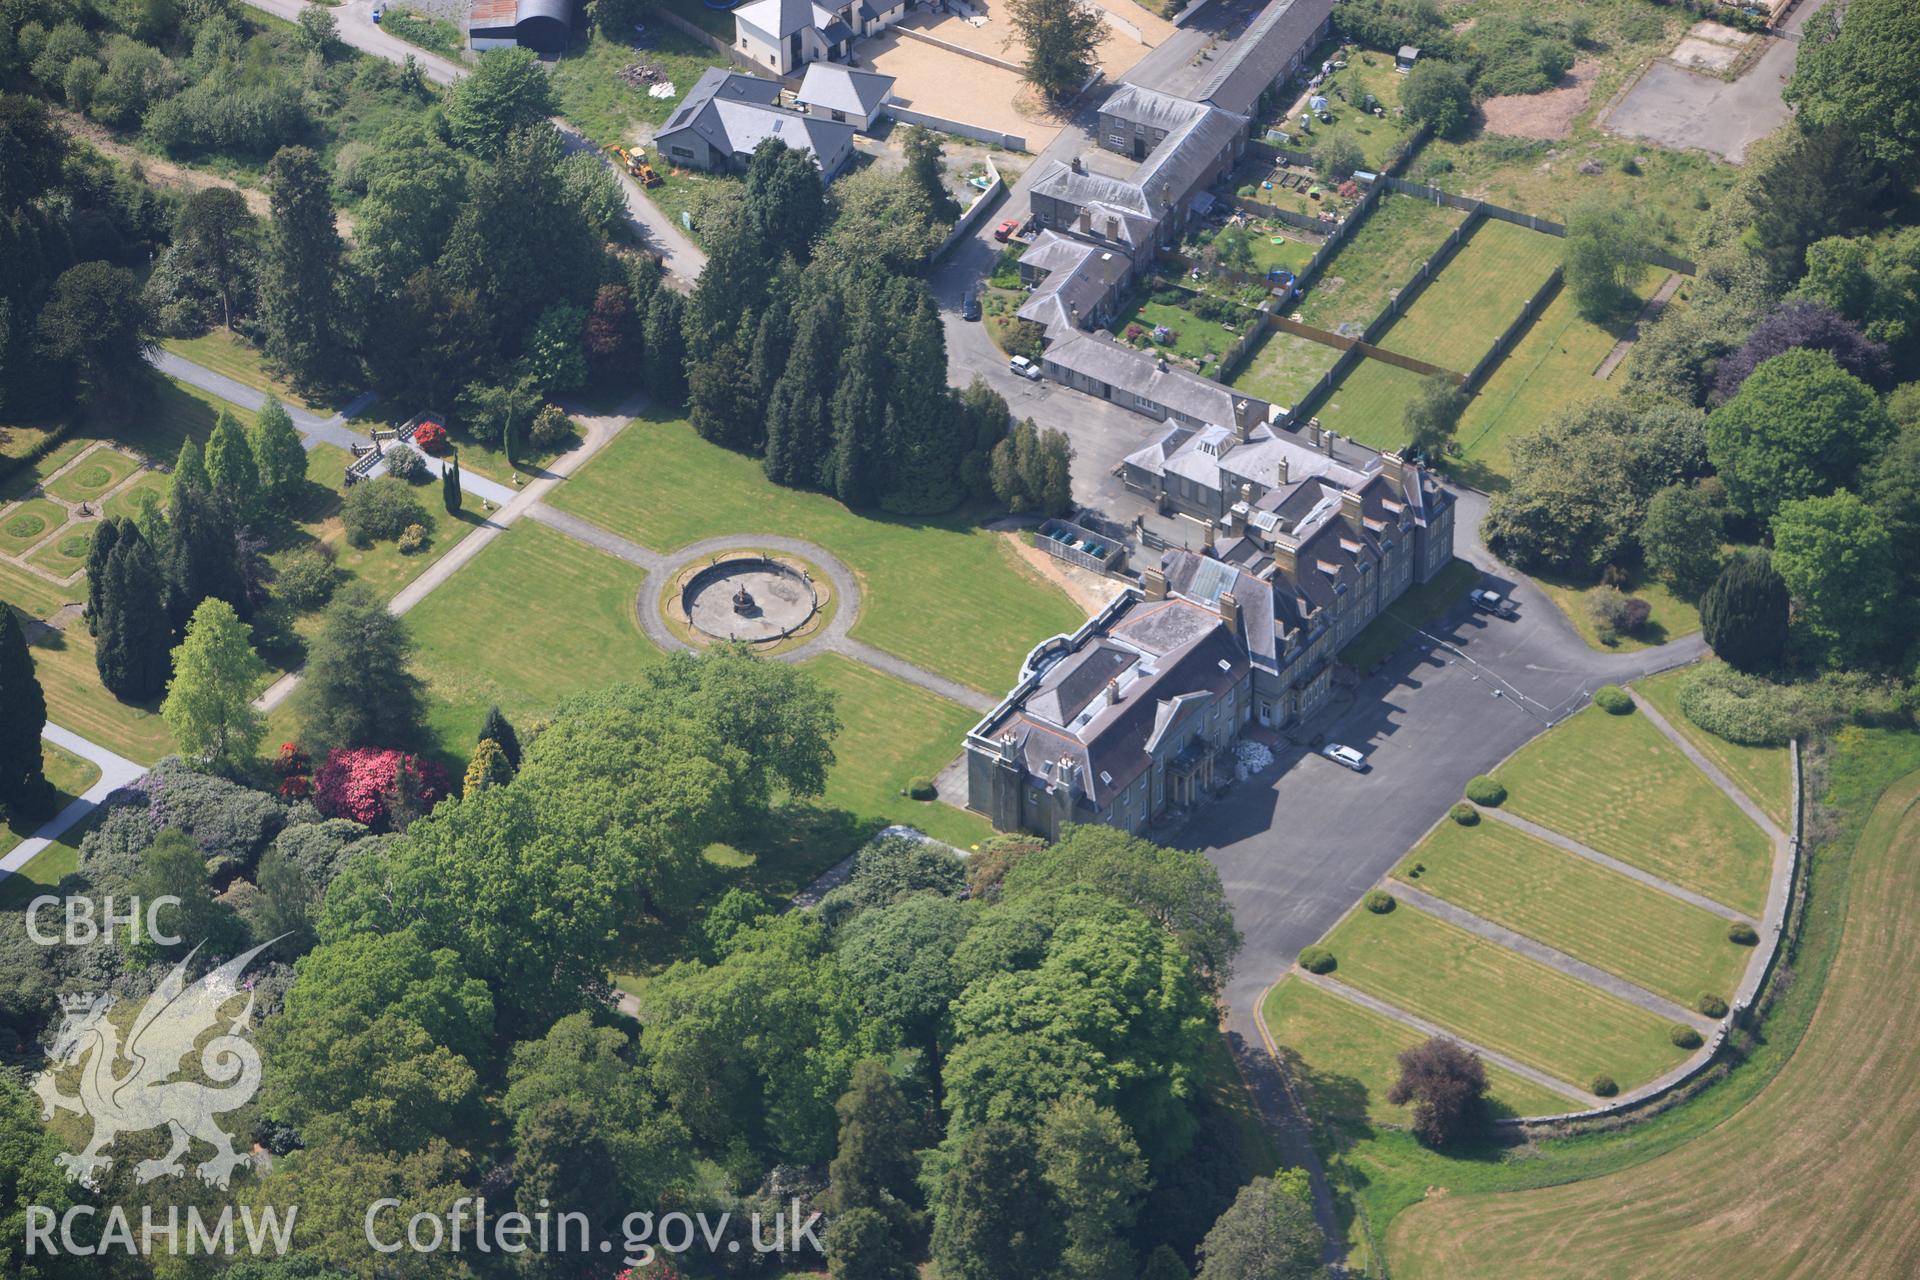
x=296, y=772
x=377, y=787
x=431, y=437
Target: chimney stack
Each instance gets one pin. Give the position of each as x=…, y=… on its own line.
x=1285, y=552
x=1283, y=471
x=1313, y=432
x=1009, y=747
x=1208, y=535
x=1154, y=583
x=1230, y=611
x=1330, y=437
x=1113, y=691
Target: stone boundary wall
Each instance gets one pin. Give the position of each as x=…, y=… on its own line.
x=970, y=219
x=978, y=132
x=908, y=33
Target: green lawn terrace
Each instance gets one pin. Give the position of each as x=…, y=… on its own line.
x=1175, y=331
x=1650, y=938
x=1375, y=261
x=1765, y=774
x=1343, y=1058
x=1478, y=293
x=925, y=581
x=1369, y=72
x=1499, y=999
x=1617, y=785
x=70, y=775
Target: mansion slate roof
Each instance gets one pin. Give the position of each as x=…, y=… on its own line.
x=1165, y=659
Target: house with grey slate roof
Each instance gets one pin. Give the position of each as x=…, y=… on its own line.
x=844, y=95
x=726, y=115
x=1146, y=383
x=1135, y=713
x=1075, y=284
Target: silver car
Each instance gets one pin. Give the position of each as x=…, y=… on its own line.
x=1341, y=754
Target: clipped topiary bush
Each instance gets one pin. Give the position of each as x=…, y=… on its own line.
x=1684, y=1036
x=1486, y=791
x=1317, y=959
x=920, y=788
x=404, y=464
x=1741, y=934
x=1711, y=1005
x=1613, y=700
x=1464, y=814
x=1379, y=902
x=1603, y=1086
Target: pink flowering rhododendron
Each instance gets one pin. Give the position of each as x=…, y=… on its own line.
x=361, y=782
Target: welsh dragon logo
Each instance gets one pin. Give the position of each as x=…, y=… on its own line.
x=148, y=1095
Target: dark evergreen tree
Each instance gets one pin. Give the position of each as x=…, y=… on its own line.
x=105, y=535
x=666, y=349
x=996, y=1217
x=785, y=205
x=497, y=728
x=23, y=713
x=204, y=557
x=190, y=470
x=301, y=269
x=231, y=469
x=722, y=402
x=136, y=639
x=450, y=485
x=357, y=690
x=799, y=422
x=873, y=1161
x=1744, y=614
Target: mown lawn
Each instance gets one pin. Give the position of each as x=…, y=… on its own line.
x=1343, y=1058
x=232, y=356
x=65, y=554
x=1549, y=369
x=1368, y=71
x=1815, y=1166
x=1202, y=341
x=1284, y=367
x=1478, y=293
x=1764, y=773
x=1500, y=999
x=936, y=590
x=1370, y=403
x=892, y=732
x=531, y=620
x=1616, y=784
x=1376, y=260
x=1606, y=919
x=1670, y=619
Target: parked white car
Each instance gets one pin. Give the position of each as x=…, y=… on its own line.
x=1341, y=754
x=1024, y=367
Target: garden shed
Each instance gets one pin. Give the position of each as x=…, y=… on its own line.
x=541, y=25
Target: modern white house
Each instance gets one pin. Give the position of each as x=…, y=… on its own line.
x=785, y=35
x=844, y=95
